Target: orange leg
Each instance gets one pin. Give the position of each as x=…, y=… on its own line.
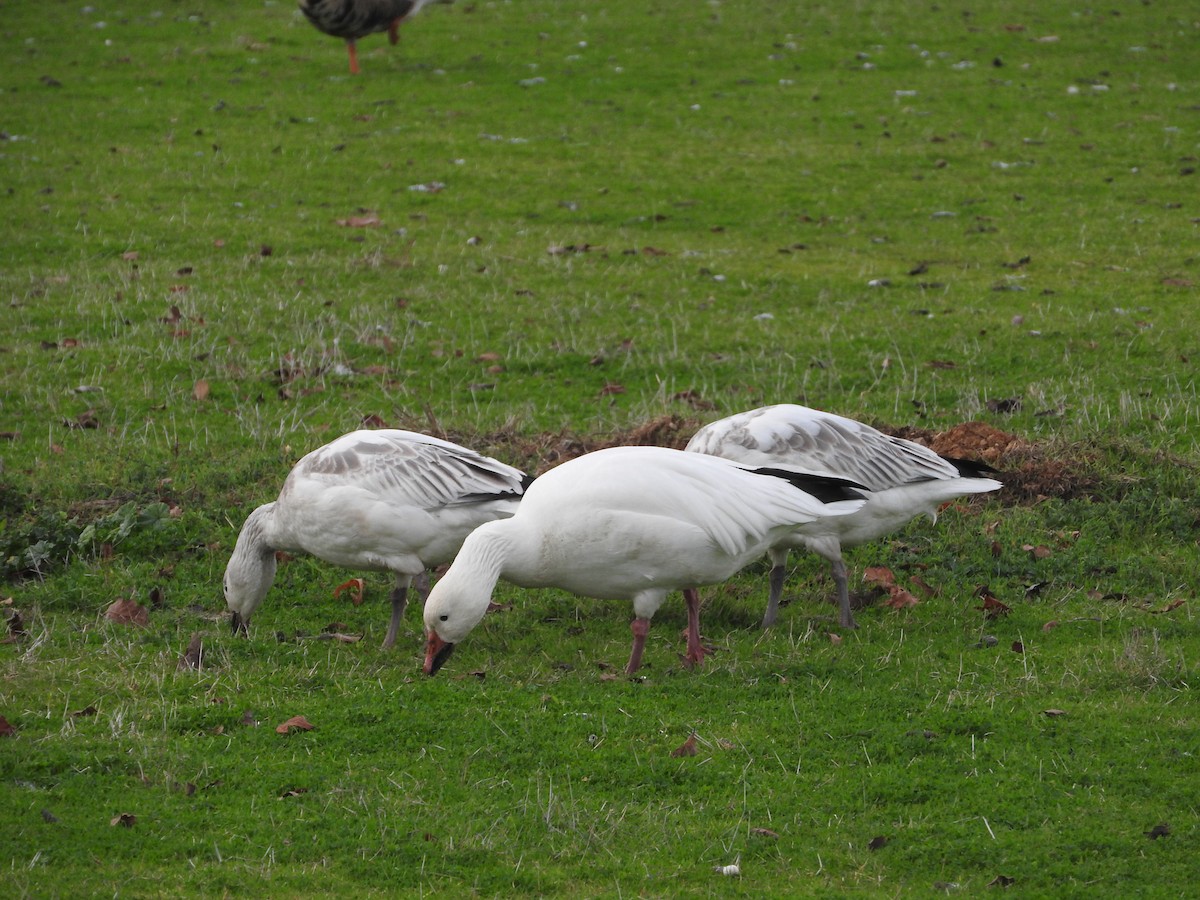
x=353, y=57
x=695, y=650
x=639, y=627
x=393, y=30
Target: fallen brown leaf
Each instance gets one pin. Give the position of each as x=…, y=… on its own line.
x=6, y=730
x=297, y=723
x=899, y=598
x=355, y=586
x=366, y=220
x=1174, y=604
x=1160, y=830
x=992, y=607
x=200, y=389
x=879, y=576
x=128, y=611
x=687, y=748
x=193, y=657
x=126, y=820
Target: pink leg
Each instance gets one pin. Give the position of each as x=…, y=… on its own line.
x=640, y=627
x=695, y=649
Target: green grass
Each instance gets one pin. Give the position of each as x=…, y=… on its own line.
x=684, y=219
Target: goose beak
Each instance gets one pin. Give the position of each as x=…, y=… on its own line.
x=437, y=652
x=238, y=625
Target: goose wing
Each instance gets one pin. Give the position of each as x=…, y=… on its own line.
x=822, y=443
x=410, y=469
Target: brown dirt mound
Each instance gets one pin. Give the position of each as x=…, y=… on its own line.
x=1029, y=474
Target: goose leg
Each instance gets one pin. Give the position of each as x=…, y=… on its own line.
x=350, y=46
x=640, y=627
x=778, y=574
x=843, y=589
x=421, y=583
x=393, y=30
x=695, y=649
x=399, y=602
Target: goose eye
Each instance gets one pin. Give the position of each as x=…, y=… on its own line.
x=444, y=618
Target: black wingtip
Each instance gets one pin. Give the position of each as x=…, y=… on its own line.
x=825, y=488
x=972, y=468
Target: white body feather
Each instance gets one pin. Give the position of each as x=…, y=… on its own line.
x=627, y=523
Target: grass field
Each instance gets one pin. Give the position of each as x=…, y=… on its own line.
x=543, y=226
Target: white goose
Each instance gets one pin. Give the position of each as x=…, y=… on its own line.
x=905, y=479
x=629, y=523
x=378, y=500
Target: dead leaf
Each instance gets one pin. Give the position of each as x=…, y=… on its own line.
x=82, y=713
x=193, y=657
x=611, y=388
x=1054, y=713
x=128, y=612
x=765, y=833
x=835, y=639
x=297, y=723
x=1174, y=604
x=1018, y=647
x=1160, y=830
x=357, y=588
x=6, y=730
x=877, y=843
x=879, y=576
x=173, y=316
x=126, y=820
x=1002, y=881
x=1038, y=552
x=1051, y=625
x=293, y=792
x=899, y=598
x=366, y=220
x=992, y=607
x=687, y=748
x=85, y=420
x=200, y=389
x=130, y=255
x=248, y=719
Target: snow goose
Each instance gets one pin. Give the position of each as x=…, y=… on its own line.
x=375, y=499
x=629, y=523
x=354, y=19
x=905, y=479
